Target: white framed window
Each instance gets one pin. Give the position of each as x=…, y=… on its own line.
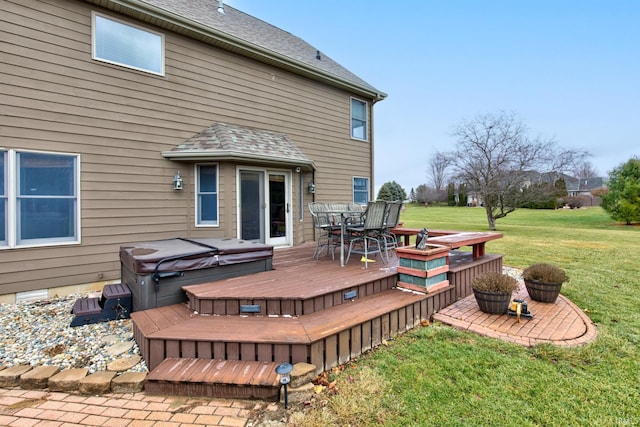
x=3, y=198
x=40, y=198
x=127, y=45
x=359, y=118
x=207, y=195
x=360, y=190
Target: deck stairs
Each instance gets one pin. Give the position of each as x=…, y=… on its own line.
x=227, y=340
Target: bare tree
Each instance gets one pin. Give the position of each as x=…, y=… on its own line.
x=584, y=170
x=503, y=166
x=438, y=165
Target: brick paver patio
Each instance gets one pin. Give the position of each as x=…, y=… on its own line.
x=561, y=323
x=37, y=408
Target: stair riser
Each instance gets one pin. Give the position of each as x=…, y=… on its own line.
x=224, y=391
x=324, y=353
x=288, y=307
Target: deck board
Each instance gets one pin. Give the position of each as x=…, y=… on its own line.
x=296, y=276
x=286, y=330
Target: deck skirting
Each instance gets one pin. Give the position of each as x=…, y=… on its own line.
x=463, y=269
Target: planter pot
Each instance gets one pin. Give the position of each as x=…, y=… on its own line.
x=543, y=292
x=492, y=302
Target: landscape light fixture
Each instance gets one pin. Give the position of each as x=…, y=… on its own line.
x=284, y=370
x=177, y=181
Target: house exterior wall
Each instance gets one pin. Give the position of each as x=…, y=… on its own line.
x=55, y=98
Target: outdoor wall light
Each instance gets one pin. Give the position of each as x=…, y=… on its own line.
x=177, y=181
x=312, y=188
x=284, y=370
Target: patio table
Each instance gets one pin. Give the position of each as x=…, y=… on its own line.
x=343, y=215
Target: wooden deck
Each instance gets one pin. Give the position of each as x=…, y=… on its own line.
x=304, y=310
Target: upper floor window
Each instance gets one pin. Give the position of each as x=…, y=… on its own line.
x=358, y=119
x=207, y=195
x=126, y=45
x=360, y=190
x=43, y=207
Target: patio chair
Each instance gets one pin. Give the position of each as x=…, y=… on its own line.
x=393, y=218
x=328, y=232
x=365, y=239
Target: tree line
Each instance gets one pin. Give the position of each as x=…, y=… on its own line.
x=497, y=165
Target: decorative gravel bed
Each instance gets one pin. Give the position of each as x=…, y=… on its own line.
x=39, y=333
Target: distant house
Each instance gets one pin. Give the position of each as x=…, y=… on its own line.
x=583, y=187
x=134, y=120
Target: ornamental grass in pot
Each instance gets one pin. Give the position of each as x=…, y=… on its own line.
x=493, y=291
x=544, y=281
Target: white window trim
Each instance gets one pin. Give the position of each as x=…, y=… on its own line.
x=11, y=218
x=353, y=191
x=366, y=124
x=95, y=57
x=196, y=174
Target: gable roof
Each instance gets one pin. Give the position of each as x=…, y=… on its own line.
x=222, y=141
x=242, y=33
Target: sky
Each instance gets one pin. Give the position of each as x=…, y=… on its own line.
x=569, y=70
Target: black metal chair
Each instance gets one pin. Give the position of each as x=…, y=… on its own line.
x=366, y=239
x=328, y=232
x=392, y=221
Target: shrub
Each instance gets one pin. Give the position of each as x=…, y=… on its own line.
x=545, y=273
x=495, y=282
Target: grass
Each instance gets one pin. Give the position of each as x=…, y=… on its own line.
x=440, y=376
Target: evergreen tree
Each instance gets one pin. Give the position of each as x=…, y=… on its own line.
x=392, y=191
x=622, y=202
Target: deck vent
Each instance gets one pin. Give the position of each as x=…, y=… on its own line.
x=351, y=294
x=250, y=308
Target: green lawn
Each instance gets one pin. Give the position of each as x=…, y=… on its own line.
x=436, y=375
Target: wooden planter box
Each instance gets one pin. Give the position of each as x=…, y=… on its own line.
x=423, y=270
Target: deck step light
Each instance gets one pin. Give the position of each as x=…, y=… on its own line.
x=284, y=370
x=249, y=308
x=351, y=294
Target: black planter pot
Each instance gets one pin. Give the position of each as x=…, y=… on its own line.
x=492, y=302
x=543, y=292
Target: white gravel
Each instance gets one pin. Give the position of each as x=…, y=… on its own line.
x=39, y=333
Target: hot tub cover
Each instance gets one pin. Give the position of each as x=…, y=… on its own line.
x=190, y=254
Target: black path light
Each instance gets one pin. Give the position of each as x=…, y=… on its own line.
x=284, y=370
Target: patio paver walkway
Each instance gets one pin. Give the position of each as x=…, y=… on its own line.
x=561, y=323
x=36, y=408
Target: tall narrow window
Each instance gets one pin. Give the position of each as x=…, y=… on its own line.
x=207, y=195
x=46, y=198
x=126, y=45
x=358, y=119
x=360, y=190
x=3, y=198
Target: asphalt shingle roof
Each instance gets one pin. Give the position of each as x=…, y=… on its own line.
x=251, y=31
x=225, y=141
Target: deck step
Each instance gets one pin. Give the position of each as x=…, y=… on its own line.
x=231, y=379
x=322, y=338
x=266, y=294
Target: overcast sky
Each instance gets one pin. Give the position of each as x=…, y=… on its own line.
x=570, y=70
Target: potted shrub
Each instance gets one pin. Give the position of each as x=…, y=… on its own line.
x=543, y=281
x=493, y=291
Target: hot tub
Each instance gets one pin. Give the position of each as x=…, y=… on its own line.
x=156, y=271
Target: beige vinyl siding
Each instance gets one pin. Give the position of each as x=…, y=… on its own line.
x=55, y=98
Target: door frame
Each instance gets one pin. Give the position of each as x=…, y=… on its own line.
x=265, y=207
